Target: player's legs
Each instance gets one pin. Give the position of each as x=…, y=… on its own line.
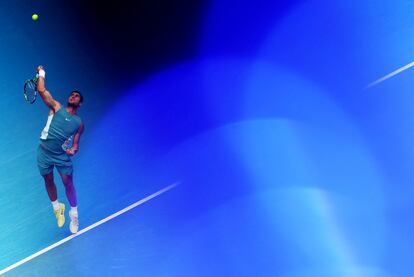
x=45, y=165
x=67, y=181
x=64, y=166
x=59, y=208
x=50, y=186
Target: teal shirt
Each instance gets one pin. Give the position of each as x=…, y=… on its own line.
x=60, y=126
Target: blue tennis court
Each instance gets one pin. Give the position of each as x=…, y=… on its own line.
x=222, y=138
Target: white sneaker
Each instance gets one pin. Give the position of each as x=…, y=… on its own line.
x=74, y=222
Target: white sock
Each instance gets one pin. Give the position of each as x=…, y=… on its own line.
x=74, y=210
x=55, y=205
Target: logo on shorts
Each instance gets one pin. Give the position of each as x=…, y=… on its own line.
x=67, y=119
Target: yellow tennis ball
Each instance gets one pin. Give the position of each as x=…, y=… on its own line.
x=35, y=17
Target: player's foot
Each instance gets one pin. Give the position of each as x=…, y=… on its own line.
x=60, y=215
x=74, y=222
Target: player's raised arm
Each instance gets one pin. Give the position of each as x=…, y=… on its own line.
x=41, y=88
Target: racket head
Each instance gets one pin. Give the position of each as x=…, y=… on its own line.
x=30, y=90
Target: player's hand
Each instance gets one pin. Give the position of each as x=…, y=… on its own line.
x=71, y=152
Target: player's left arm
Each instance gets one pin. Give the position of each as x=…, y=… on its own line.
x=76, y=140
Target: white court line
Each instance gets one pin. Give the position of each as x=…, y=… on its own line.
x=399, y=70
x=13, y=266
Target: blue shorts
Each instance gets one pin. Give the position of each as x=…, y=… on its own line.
x=46, y=160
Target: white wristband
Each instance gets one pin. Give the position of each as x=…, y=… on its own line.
x=41, y=73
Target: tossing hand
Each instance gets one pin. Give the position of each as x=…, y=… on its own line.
x=71, y=151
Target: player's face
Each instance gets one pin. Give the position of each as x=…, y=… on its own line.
x=74, y=99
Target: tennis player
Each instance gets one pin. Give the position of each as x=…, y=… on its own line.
x=63, y=124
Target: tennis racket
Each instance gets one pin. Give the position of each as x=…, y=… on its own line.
x=30, y=90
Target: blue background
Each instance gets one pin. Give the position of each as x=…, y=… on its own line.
x=287, y=165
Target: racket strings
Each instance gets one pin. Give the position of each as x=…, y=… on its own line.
x=30, y=92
